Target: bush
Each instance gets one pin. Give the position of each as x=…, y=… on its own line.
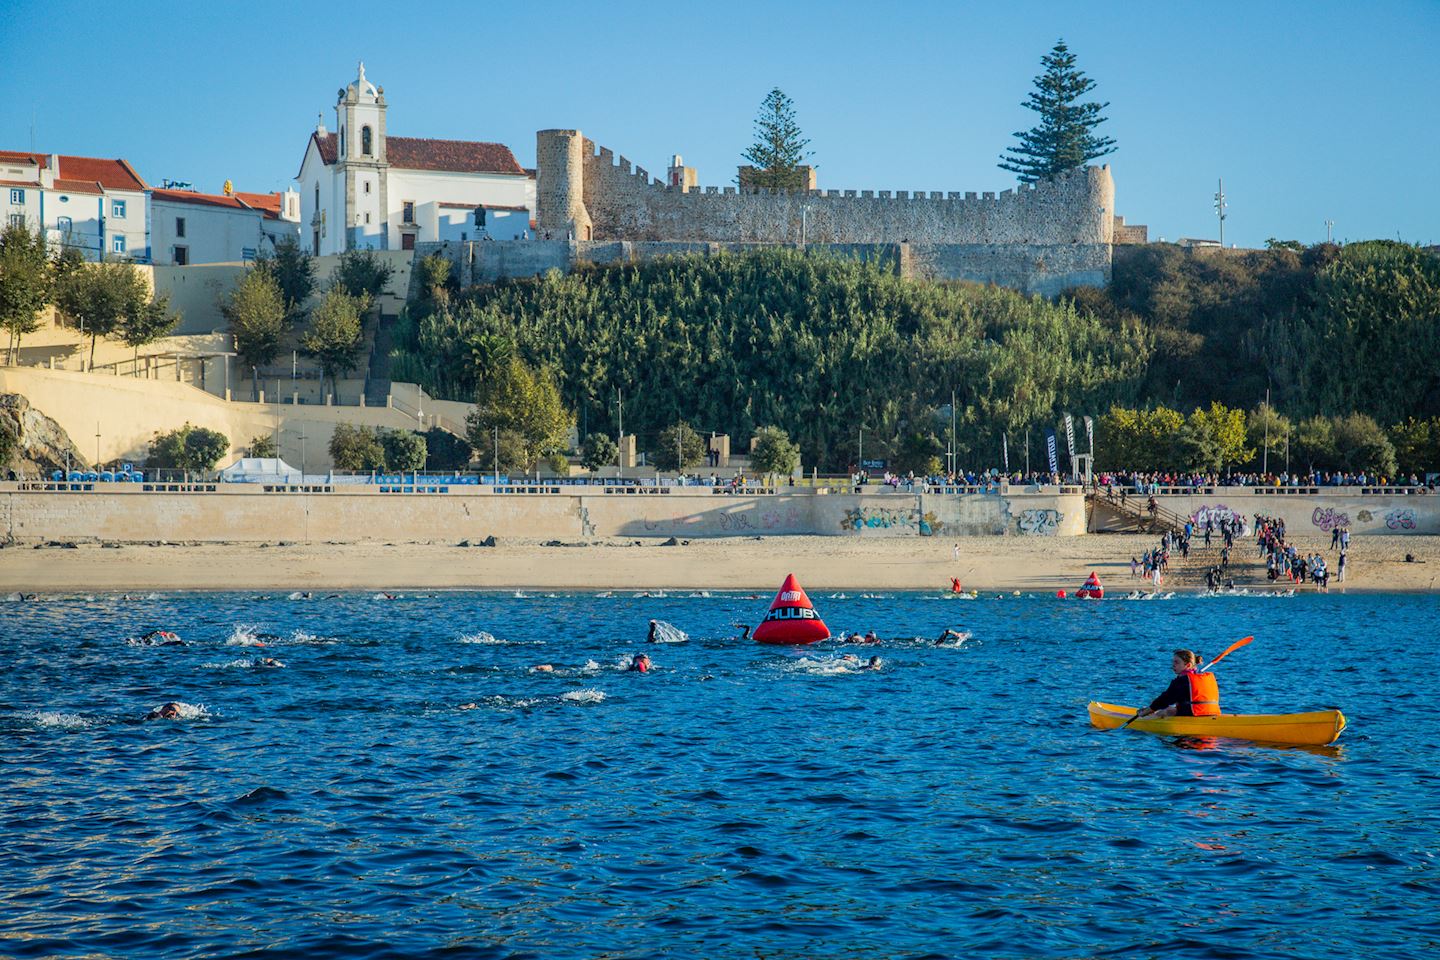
x=678, y=448
x=189, y=448
x=263, y=446
x=598, y=451
x=356, y=448
x=773, y=453
x=404, y=450
x=445, y=451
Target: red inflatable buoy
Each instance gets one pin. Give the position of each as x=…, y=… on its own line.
x=792, y=618
x=1060, y=594
x=1091, y=588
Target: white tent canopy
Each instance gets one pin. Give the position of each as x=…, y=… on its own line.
x=260, y=470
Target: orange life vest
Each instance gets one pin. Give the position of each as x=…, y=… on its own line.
x=1204, y=694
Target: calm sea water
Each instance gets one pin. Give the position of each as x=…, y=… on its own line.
x=738, y=801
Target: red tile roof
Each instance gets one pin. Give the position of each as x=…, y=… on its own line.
x=110, y=174
x=452, y=156
x=267, y=204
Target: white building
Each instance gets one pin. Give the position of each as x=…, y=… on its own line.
x=361, y=188
x=98, y=206
x=189, y=227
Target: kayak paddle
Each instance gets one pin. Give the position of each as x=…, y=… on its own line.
x=1228, y=650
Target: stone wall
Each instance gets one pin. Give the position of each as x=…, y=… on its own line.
x=1365, y=510
x=243, y=512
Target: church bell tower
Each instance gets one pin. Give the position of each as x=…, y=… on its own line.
x=360, y=158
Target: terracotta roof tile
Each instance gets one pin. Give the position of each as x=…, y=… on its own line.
x=110, y=174
x=417, y=153
x=203, y=199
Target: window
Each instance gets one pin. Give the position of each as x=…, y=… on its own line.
x=117, y=243
x=182, y=256
x=63, y=224
x=317, y=243
x=408, y=211
x=317, y=198
x=117, y=209
x=17, y=196
x=17, y=219
x=365, y=144
x=342, y=143
x=179, y=226
x=367, y=186
x=367, y=218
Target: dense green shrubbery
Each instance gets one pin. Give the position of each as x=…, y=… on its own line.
x=816, y=345
x=823, y=347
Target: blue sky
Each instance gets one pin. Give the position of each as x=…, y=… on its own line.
x=1309, y=111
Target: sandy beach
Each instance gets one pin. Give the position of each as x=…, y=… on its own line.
x=822, y=563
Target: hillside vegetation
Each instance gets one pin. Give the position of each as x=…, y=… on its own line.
x=825, y=347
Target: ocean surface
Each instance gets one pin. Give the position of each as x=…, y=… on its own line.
x=736, y=801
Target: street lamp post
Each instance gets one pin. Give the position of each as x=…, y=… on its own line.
x=1220, y=211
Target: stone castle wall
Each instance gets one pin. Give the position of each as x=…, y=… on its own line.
x=618, y=201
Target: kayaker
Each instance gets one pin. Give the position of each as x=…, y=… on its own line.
x=1190, y=694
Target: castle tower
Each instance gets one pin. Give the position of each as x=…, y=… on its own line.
x=680, y=176
x=360, y=159
x=560, y=185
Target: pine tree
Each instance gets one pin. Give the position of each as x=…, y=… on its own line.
x=1065, y=138
x=779, y=149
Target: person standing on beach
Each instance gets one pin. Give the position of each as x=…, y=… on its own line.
x=955, y=551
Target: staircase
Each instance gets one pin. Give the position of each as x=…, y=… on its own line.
x=1245, y=569
x=377, y=379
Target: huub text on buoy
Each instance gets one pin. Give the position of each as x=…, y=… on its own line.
x=792, y=618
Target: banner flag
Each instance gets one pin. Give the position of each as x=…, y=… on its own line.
x=1090, y=434
x=1070, y=435
x=1005, y=450
x=1050, y=448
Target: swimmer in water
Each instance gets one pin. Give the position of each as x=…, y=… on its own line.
x=949, y=635
x=874, y=663
x=651, y=635
x=744, y=629
x=641, y=664
x=850, y=659
x=168, y=711
x=543, y=668
x=162, y=638
x=268, y=662
x=870, y=637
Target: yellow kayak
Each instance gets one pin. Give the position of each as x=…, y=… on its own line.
x=1308, y=729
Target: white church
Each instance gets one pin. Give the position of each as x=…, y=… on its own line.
x=360, y=188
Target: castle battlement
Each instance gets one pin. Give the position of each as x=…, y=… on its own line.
x=586, y=193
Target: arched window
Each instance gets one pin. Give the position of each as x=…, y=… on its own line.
x=317, y=198
x=342, y=143
x=365, y=141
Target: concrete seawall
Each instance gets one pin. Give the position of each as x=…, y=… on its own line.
x=248, y=513
x=1305, y=510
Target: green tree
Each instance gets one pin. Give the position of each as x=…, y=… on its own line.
x=773, y=453
x=678, y=448
x=263, y=446
x=1361, y=444
x=1417, y=445
x=98, y=297
x=293, y=270
x=256, y=311
x=437, y=277
x=523, y=405
x=9, y=443
x=445, y=451
x=1226, y=426
x=1315, y=443
x=919, y=452
x=356, y=448
x=779, y=149
x=27, y=282
x=1267, y=429
x=362, y=273
x=189, y=448
x=1065, y=137
x=405, y=450
x=147, y=321
x=598, y=450
x=1273, y=244
x=335, y=337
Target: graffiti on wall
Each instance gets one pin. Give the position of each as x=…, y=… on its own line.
x=884, y=518
x=1327, y=518
x=1402, y=518
x=1219, y=512
x=1039, y=523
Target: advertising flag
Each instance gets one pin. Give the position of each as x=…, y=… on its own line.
x=1050, y=449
